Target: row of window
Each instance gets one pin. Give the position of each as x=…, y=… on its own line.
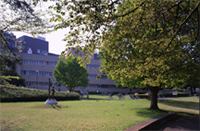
x=36, y=73
x=52, y=63
x=41, y=84
x=44, y=73
x=39, y=62
x=46, y=84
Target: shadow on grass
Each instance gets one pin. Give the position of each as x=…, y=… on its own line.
x=147, y=113
x=181, y=104
x=55, y=106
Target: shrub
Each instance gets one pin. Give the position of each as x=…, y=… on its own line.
x=16, y=94
x=179, y=94
x=144, y=96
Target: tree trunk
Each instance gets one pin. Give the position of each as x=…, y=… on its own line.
x=191, y=90
x=194, y=90
x=154, y=96
x=130, y=91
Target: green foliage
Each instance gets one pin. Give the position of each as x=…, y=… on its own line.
x=69, y=72
x=18, y=81
x=22, y=16
x=141, y=43
x=145, y=48
x=16, y=94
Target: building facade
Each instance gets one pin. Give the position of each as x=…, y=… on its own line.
x=38, y=64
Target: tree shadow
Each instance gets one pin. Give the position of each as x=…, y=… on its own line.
x=183, y=121
x=148, y=113
x=181, y=104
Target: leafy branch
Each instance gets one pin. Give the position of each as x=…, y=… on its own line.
x=179, y=29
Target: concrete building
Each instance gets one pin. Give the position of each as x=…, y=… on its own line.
x=38, y=64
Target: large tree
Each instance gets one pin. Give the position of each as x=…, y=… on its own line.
x=138, y=40
x=69, y=72
x=146, y=47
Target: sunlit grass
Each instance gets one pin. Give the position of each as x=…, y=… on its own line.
x=95, y=115
x=188, y=105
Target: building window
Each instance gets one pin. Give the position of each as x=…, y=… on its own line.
x=34, y=73
x=42, y=52
x=25, y=61
x=46, y=84
x=92, y=76
x=92, y=85
x=103, y=77
x=38, y=62
x=54, y=63
x=92, y=66
x=104, y=86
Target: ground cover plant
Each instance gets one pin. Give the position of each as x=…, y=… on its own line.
x=86, y=114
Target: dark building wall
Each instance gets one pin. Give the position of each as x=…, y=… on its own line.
x=37, y=46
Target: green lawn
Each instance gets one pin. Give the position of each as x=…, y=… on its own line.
x=95, y=115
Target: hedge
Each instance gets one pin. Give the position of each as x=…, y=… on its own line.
x=18, y=94
x=179, y=94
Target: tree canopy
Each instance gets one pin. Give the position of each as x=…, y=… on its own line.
x=150, y=42
x=69, y=72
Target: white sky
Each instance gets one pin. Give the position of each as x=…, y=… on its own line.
x=56, y=45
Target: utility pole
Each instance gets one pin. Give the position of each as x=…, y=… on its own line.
x=49, y=89
x=36, y=77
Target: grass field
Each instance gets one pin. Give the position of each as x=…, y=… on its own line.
x=95, y=115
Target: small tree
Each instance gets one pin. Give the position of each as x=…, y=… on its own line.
x=69, y=72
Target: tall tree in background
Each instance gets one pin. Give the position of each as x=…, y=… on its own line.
x=137, y=39
x=69, y=72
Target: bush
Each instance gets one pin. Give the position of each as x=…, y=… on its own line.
x=144, y=96
x=179, y=94
x=16, y=94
